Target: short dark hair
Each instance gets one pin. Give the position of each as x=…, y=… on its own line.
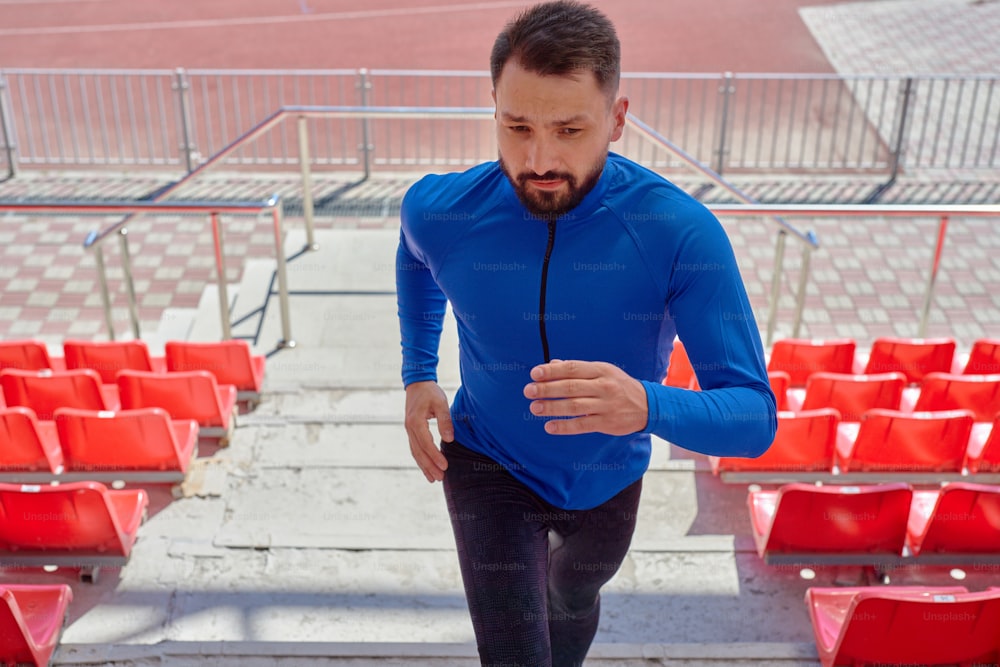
x=558, y=38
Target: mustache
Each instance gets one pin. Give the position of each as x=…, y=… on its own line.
x=547, y=176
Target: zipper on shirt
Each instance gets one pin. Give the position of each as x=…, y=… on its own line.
x=541, y=298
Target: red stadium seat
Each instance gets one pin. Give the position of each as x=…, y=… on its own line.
x=890, y=440
x=946, y=391
x=27, y=444
x=76, y=524
x=803, y=442
x=680, y=373
x=120, y=444
x=852, y=395
x=804, y=523
x=984, y=447
x=230, y=361
x=800, y=358
x=959, y=518
x=44, y=391
x=32, y=617
x=27, y=355
x=913, y=357
x=109, y=357
x=905, y=625
x=184, y=395
x=984, y=358
x=780, y=382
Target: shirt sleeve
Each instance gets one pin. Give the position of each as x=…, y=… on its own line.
x=421, y=307
x=735, y=412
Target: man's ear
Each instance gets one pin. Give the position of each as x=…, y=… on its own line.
x=619, y=110
x=493, y=94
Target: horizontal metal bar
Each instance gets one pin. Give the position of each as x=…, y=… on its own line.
x=127, y=206
x=851, y=210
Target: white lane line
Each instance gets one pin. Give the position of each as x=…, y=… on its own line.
x=258, y=20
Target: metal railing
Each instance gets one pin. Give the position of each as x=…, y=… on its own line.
x=214, y=210
x=733, y=122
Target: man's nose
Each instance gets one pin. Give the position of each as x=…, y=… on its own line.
x=542, y=156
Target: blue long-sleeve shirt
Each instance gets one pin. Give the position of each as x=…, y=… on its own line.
x=637, y=262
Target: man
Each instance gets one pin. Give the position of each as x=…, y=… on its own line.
x=569, y=270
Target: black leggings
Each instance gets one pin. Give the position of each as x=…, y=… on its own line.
x=532, y=572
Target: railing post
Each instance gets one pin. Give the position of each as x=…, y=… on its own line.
x=102, y=275
x=220, y=272
x=772, y=309
x=366, y=148
x=187, y=148
x=279, y=254
x=726, y=90
x=800, y=293
x=133, y=309
x=307, y=195
x=7, y=130
x=904, y=113
x=935, y=265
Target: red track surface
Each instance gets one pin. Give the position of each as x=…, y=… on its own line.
x=657, y=35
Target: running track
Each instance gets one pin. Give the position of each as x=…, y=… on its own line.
x=657, y=35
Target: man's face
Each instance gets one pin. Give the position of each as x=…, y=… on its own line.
x=553, y=134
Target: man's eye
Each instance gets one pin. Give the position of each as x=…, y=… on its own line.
x=571, y=130
x=519, y=128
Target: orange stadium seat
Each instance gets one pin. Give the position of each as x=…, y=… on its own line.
x=27, y=444
x=126, y=442
x=890, y=440
x=903, y=625
x=680, y=373
x=27, y=355
x=947, y=391
x=800, y=358
x=184, y=395
x=851, y=395
x=958, y=518
x=804, y=442
x=75, y=524
x=44, y=391
x=231, y=361
x=983, y=454
x=109, y=357
x=984, y=357
x=805, y=523
x=913, y=357
x=780, y=382
x=32, y=617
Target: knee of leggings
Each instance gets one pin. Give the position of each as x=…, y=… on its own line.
x=572, y=605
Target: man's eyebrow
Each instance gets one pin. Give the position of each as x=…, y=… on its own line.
x=573, y=120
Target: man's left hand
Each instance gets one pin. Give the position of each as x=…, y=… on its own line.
x=600, y=398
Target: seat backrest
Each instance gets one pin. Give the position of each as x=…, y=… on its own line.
x=31, y=618
x=25, y=355
x=680, y=373
x=21, y=446
x=107, y=357
x=966, y=519
x=44, y=391
x=183, y=394
x=897, y=628
x=913, y=357
x=984, y=357
x=800, y=358
x=230, y=361
x=124, y=440
x=15, y=638
x=780, y=381
x=804, y=441
x=853, y=395
x=894, y=440
x=71, y=517
x=946, y=391
x=841, y=519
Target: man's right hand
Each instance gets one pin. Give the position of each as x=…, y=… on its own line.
x=426, y=401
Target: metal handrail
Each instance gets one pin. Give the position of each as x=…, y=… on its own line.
x=941, y=211
x=213, y=209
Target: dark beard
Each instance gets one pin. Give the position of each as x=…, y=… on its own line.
x=551, y=205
